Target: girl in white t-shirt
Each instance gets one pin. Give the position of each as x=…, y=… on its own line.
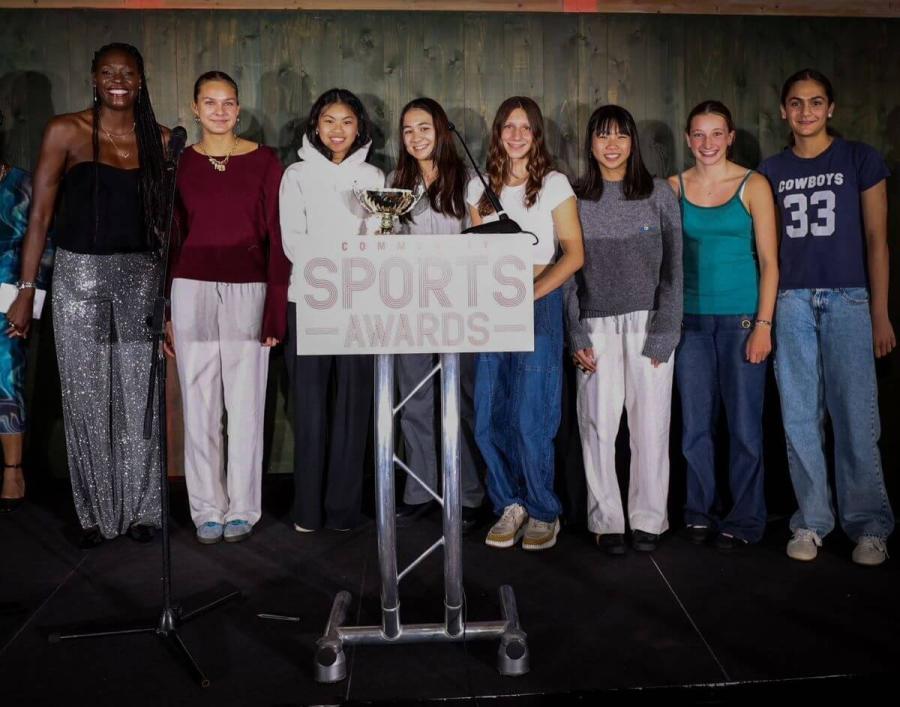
x=517, y=394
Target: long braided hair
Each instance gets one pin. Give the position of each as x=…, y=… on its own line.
x=151, y=155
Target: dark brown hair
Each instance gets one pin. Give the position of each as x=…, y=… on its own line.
x=447, y=194
x=540, y=161
x=215, y=76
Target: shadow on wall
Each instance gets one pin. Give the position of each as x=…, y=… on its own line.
x=657, y=147
x=26, y=101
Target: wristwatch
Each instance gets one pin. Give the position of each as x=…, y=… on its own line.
x=26, y=285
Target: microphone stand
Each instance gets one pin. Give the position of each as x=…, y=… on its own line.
x=171, y=615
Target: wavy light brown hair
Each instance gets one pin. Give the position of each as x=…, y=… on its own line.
x=540, y=162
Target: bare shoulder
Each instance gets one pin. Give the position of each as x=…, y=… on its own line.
x=674, y=184
x=69, y=124
x=757, y=184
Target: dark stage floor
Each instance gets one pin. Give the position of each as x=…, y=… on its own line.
x=685, y=620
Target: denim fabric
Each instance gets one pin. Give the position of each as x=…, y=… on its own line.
x=711, y=370
x=824, y=362
x=517, y=411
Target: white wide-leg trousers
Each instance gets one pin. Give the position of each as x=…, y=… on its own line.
x=222, y=368
x=625, y=378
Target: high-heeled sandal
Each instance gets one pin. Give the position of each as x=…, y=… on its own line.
x=7, y=505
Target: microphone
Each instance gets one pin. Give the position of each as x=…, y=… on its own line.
x=177, y=140
x=504, y=224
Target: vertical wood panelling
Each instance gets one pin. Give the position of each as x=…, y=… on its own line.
x=593, y=73
x=658, y=66
x=561, y=40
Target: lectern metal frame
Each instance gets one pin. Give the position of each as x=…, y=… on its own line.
x=512, y=656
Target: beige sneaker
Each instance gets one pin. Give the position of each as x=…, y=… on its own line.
x=804, y=546
x=506, y=531
x=870, y=550
x=540, y=535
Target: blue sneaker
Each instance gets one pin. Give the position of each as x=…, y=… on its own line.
x=209, y=533
x=237, y=530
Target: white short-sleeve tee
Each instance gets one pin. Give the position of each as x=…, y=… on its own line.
x=539, y=218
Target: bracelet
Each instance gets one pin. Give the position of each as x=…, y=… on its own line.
x=764, y=322
x=26, y=285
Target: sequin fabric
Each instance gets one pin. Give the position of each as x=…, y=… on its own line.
x=101, y=304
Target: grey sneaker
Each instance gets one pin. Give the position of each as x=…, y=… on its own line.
x=237, y=530
x=804, y=546
x=506, y=531
x=870, y=550
x=540, y=535
x=209, y=533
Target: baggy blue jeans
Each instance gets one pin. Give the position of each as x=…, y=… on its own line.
x=824, y=361
x=712, y=371
x=517, y=412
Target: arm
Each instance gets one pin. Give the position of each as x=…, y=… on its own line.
x=292, y=213
x=579, y=341
x=765, y=230
x=278, y=266
x=45, y=186
x=874, y=211
x=568, y=229
x=665, y=325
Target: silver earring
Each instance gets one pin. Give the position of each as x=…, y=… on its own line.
x=197, y=119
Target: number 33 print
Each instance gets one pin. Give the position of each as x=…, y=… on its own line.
x=798, y=207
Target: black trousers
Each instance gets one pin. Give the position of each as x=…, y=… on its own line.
x=330, y=433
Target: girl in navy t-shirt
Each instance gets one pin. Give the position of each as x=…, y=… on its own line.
x=831, y=312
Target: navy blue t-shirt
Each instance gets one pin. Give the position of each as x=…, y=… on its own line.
x=822, y=237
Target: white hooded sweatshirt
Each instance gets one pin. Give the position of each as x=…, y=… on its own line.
x=317, y=197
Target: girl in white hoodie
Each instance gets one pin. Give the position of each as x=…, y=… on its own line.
x=317, y=197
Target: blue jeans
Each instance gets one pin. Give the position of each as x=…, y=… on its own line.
x=824, y=361
x=711, y=370
x=517, y=411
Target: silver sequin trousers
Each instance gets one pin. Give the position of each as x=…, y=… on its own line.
x=100, y=308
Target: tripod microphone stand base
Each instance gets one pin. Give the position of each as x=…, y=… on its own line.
x=166, y=628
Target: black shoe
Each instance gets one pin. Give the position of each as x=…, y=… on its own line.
x=90, y=538
x=470, y=518
x=697, y=534
x=408, y=513
x=729, y=543
x=611, y=543
x=141, y=533
x=643, y=542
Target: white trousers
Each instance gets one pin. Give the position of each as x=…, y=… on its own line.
x=625, y=378
x=222, y=368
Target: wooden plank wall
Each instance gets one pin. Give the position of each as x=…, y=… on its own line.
x=656, y=65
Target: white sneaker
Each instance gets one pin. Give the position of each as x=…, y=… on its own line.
x=540, y=535
x=300, y=529
x=870, y=550
x=506, y=531
x=804, y=546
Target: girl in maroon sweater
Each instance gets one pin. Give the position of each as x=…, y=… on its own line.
x=229, y=300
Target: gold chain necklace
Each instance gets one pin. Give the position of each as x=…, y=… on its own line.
x=218, y=165
x=120, y=153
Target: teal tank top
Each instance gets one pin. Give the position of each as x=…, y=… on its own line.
x=720, y=270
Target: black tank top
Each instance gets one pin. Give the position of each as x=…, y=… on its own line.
x=119, y=217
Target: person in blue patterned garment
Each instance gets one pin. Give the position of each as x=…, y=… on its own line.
x=15, y=199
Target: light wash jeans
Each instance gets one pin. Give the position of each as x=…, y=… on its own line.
x=824, y=361
x=517, y=411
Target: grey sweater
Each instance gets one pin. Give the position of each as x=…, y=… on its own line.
x=632, y=263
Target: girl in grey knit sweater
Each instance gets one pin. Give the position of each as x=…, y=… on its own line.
x=623, y=311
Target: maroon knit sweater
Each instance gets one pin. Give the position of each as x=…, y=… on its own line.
x=228, y=228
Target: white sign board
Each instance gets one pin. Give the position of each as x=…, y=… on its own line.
x=415, y=294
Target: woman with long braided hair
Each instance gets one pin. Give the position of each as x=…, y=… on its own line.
x=108, y=162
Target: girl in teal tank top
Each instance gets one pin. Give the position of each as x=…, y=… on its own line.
x=728, y=221
x=720, y=275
